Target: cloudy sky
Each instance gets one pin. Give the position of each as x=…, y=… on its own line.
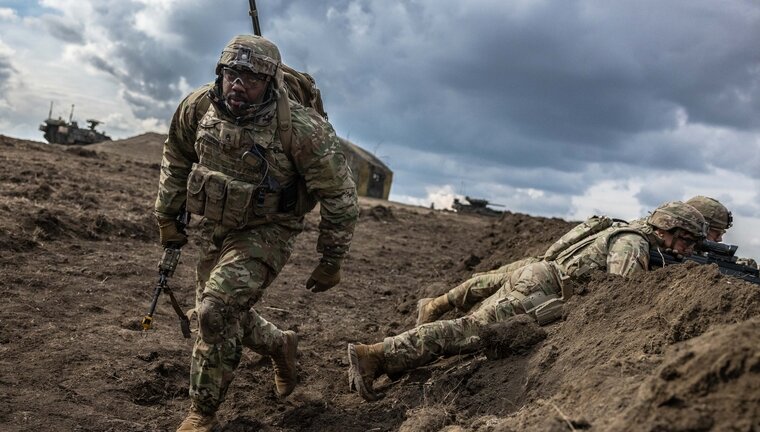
x=551, y=107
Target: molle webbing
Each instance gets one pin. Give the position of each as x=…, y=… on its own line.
x=585, y=230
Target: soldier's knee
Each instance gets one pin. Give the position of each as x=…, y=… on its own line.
x=212, y=317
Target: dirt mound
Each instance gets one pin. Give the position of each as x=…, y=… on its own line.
x=515, y=236
x=711, y=382
x=669, y=350
x=590, y=367
x=146, y=147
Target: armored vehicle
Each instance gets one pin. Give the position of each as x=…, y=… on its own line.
x=59, y=131
x=476, y=206
x=372, y=177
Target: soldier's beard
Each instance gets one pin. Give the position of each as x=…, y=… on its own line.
x=237, y=102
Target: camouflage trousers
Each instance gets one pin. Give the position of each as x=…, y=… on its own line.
x=235, y=266
x=482, y=285
x=423, y=344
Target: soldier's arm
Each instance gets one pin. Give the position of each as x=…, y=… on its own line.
x=323, y=165
x=628, y=254
x=179, y=155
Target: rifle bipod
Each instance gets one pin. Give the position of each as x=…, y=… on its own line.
x=165, y=270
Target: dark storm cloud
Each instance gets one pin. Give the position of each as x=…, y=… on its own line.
x=557, y=84
x=69, y=32
x=535, y=94
x=652, y=195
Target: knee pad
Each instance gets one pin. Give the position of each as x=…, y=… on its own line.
x=212, y=319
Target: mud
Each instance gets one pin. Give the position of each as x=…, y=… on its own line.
x=671, y=350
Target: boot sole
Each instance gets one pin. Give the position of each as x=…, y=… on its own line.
x=355, y=381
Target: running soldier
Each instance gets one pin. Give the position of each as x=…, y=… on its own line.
x=252, y=163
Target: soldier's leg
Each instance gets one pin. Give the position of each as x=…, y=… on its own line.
x=265, y=338
x=421, y=345
x=425, y=343
x=462, y=297
x=236, y=282
x=467, y=294
x=510, y=267
x=484, y=285
x=210, y=247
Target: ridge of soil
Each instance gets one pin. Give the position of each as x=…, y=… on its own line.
x=675, y=349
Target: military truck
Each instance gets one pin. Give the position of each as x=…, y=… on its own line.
x=476, y=206
x=59, y=131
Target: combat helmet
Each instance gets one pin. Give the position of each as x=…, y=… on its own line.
x=251, y=52
x=716, y=214
x=677, y=214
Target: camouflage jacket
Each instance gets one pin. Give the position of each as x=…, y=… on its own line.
x=621, y=249
x=196, y=142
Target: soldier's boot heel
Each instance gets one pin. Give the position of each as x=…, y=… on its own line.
x=366, y=362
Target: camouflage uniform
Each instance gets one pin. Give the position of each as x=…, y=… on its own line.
x=248, y=233
x=482, y=285
x=621, y=249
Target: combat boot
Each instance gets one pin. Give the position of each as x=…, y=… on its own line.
x=284, y=361
x=366, y=363
x=196, y=421
x=430, y=309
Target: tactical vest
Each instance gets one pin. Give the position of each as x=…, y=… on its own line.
x=243, y=177
x=590, y=253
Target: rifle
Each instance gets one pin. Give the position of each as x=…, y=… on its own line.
x=254, y=17
x=166, y=268
x=708, y=252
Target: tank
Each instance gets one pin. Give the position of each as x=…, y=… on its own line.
x=59, y=131
x=476, y=206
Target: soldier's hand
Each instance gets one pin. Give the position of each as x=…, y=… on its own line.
x=170, y=235
x=324, y=277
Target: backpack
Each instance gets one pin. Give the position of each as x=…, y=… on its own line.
x=300, y=87
x=592, y=225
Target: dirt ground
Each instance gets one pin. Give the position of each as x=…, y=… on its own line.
x=677, y=349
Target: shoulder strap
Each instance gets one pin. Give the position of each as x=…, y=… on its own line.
x=284, y=123
x=201, y=107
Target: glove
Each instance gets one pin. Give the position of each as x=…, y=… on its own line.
x=169, y=233
x=324, y=277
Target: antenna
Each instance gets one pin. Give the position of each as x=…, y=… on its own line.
x=50, y=113
x=377, y=147
x=71, y=116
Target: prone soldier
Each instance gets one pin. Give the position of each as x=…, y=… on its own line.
x=538, y=289
x=482, y=285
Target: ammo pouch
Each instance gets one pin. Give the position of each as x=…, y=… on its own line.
x=223, y=199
